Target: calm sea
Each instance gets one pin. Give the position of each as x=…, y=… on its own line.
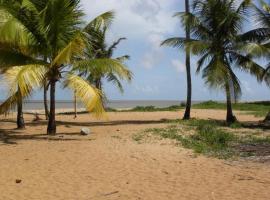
x=117, y=104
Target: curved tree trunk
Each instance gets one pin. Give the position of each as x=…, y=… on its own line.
x=230, y=117
x=45, y=101
x=189, y=84
x=51, y=129
x=20, y=119
x=267, y=118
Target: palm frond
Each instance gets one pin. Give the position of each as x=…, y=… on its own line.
x=26, y=78
x=74, y=48
x=104, y=66
x=176, y=42
x=113, y=46
x=9, y=104
x=114, y=79
x=89, y=95
x=104, y=19
x=123, y=58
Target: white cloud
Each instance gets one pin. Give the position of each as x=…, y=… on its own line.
x=178, y=65
x=135, y=18
x=155, y=53
x=147, y=89
x=147, y=21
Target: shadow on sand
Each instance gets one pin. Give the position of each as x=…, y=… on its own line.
x=11, y=136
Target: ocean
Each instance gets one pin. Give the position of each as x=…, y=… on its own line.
x=116, y=104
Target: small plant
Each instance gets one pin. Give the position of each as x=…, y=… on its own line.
x=138, y=137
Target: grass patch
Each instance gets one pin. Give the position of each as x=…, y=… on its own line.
x=200, y=122
x=258, y=109
x=155, y=109
x=212, y=140
x=208, y=139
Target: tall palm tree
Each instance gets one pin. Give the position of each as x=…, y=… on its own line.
x=216, y=27
x=259, y=39
x=188, y=69
x=55, y=32
x=188, y=65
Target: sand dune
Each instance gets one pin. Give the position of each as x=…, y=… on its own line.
x=108, y=164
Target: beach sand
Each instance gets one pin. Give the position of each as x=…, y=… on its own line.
x=109, y=164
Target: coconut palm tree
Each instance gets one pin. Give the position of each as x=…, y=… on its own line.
x=188, y=69
x=216, y=27
x=188, y=65
x=99, y=49
x=96, y=31
x=51, y=28
x=259, y=39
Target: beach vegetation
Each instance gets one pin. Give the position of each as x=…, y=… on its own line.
x=212, y=140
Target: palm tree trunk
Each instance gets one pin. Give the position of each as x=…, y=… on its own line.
x=189, y=84
x=75, y=104
x=45, y=101
x=20, y=119
x=230, y=117
x=267, y=118
x=51, y=129
x=99, y=86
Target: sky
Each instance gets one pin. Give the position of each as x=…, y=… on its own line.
x=159, y=72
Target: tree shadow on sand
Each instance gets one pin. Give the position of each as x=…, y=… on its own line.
x=11, y=136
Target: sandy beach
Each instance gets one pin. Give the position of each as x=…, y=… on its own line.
x=108, y=164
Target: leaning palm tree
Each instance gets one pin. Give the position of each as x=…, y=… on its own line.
x=56, y=24
x=216, y=27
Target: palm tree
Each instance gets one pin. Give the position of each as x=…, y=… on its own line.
x=54, y=32
x=98, y=49
x=259, y=40
x=188, y=70
x=188, y=67
x=98, y=32
x=216, y=27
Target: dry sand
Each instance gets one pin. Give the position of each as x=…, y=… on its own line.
x=108, y=164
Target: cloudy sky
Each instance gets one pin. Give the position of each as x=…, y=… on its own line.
x=159, y=73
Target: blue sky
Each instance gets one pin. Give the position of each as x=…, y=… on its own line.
x=159, y=73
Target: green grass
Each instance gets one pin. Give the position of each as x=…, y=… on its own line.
x=155, y=109
x=210, y=138
x=199, y=122
x=259, y=109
